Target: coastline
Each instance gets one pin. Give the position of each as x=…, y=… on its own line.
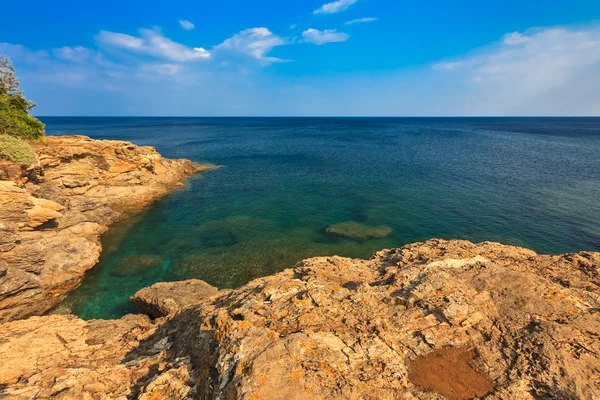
x=53, y=213
x=438, y=319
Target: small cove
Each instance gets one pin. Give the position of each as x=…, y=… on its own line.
x=533, y=182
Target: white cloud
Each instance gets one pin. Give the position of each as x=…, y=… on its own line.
x=335, y=7
x=545, y=71
x=17, y=51
x=254, y=42
x=161, y=69
x=360, y=21
x=515, y=38
x=321, y=37
x=152, y=42
x=187, y=25
x=448, y=65
x=541, y=71
x=76, y=54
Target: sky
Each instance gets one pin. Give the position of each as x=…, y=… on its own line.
x=306, y=58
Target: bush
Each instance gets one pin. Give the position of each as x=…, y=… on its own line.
x=16, y=122
x=16, y=150
x=15, y=119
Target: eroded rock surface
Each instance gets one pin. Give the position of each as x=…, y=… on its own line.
x=525, y=325
x=51, y=215
x=63, y=357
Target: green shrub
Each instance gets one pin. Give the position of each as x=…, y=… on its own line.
x=15, y=119
x=16, y=150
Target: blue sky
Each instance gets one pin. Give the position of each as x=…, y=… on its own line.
x=346, y=57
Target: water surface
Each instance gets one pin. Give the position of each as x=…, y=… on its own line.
x=532, y=182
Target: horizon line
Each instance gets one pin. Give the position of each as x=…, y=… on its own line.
x=316, y=116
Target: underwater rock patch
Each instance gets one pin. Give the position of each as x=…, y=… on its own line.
x=231, y=230
x=360, y=232
x=135, y=265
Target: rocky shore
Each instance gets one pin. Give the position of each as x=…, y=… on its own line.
x=433, y=320
x=53, y=213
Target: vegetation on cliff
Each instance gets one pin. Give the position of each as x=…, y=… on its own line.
x=16, y=150
x=16, y=124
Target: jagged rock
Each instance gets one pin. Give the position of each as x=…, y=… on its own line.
x=360, y=232
x=51, y=215
x=169, y=298
x=42, y=212
x=521, y=325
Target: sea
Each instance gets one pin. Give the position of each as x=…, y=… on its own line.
x=284, y=184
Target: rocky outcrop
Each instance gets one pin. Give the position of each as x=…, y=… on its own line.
x=440, y=319
x=168, y=298
x=52, y=214
x=64, y=357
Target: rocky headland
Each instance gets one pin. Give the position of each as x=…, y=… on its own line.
x=53, y=212
x=433, y=320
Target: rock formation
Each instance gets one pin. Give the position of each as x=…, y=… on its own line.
x=433, y=320
x=52, y=214
x=168, y=298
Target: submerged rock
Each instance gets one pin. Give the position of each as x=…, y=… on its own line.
x=414, y=323
x=360, y=232
x=52, y=214
x=231, y=230
x=135, y=265
x=168, y=298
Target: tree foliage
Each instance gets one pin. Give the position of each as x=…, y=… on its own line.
x=15, y=119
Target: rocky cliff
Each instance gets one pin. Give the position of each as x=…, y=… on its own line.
x=433, y=320
x=53, y=213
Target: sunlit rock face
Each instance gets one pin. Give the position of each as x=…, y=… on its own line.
x=52, y=214
x=440, y=319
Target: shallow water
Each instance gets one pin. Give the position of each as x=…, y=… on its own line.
x=529, y=182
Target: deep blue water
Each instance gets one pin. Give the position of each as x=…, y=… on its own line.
x=532, y=182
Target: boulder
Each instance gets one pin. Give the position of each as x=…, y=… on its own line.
x=169, y=298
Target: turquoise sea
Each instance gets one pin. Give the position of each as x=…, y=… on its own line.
x=532, y=182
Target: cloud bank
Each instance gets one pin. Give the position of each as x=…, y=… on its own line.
x=542, y=71
x=552, y=70
x=152, y=42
